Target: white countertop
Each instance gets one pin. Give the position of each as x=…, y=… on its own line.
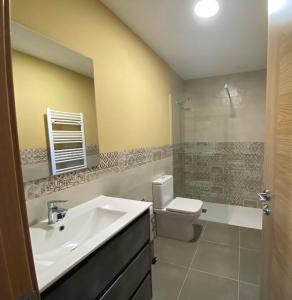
x=49, y=272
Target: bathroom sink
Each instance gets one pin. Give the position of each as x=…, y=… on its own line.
x=59, y=247
x=52, y=242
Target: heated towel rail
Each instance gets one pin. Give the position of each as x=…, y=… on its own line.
x=67, y=141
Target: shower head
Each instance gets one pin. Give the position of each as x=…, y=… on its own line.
x=184, y=100
x=181, y=103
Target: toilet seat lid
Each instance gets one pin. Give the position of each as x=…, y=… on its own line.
x=185, y=205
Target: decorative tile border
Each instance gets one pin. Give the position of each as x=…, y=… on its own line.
x=222, y=172
x=217, y=172
x=33, y=156
x=92, y=149
x=108, y=163
x=41, y=155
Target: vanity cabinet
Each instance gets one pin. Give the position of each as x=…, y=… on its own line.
x=119, y=270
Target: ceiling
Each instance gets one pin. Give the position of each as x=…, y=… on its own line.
x=33, y=43
x=233, y=41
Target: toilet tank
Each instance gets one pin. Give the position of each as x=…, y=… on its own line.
x=162, y=191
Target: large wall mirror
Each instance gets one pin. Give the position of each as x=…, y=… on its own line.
x=48, y=75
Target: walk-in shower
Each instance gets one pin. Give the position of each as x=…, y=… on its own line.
x=220, y=157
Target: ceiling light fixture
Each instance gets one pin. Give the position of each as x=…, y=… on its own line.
x=275, y=5
x=206, y=8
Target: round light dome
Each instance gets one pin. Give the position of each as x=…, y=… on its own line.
x=206, y=8
x=275, y=5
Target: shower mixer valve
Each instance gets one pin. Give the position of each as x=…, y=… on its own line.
x=265, y=196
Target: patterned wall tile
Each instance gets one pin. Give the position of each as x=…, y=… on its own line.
x=108, y=160
x=92, y=149
x=220, y=172
x=40, y=155
x=33, y=156
x=136, y=157
x=65, y=181
x=108, y=163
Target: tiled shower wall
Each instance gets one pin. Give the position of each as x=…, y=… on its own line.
x=224, y=172
x=219, y=157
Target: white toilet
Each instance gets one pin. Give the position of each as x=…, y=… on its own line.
x=175, y=218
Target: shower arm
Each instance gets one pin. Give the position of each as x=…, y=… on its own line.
x=228, y=93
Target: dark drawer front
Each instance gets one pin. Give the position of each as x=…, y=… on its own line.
x=145, y=290
x=91, y=277
x=124, y=287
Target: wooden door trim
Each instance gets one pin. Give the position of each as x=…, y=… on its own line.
x=270, y=150
x=17, y=274
x=277, y=280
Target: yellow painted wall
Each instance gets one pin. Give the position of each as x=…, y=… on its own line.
x=39, y=85
x=131, y=81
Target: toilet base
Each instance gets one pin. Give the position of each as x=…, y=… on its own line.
x=177, y=227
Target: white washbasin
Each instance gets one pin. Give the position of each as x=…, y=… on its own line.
x=59, y=247
x=51, y=243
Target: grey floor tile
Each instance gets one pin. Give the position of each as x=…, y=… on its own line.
x=176, y=252
x=202, y=286
x=248, y=291
x=221, y=233
x=217, y=259
x=167, y=280
x=250, y=265
x=250, y=238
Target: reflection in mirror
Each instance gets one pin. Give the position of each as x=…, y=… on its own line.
x=49, y=75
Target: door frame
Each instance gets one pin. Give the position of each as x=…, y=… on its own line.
x=17, y=276
x=276, y=283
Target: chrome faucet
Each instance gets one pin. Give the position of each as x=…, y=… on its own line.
x=55, y=213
